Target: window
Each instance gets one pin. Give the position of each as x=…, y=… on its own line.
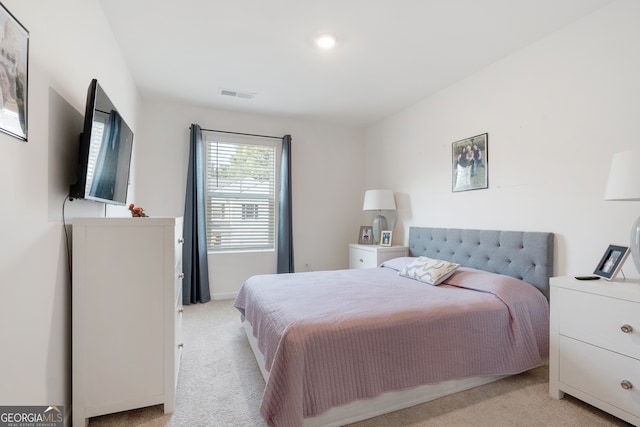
x=241, y=192
x=249, y=211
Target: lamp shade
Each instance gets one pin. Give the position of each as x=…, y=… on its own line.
x=624, y=177
x=624, y=184
x=379, y=200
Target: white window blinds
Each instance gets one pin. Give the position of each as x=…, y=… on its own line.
x=240, y=185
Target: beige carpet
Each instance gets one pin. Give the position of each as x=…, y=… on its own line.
x=220, y=385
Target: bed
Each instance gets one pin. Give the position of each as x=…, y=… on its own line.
x=340, y=346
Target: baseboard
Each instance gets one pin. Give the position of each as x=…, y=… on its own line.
x=230, y=295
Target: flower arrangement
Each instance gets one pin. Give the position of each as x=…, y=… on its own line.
x=136, y=211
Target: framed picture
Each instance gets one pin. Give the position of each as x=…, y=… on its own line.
x=611, y=262
x=14, y=55
x=470, y=166
x=366, y=235
x=386, y=238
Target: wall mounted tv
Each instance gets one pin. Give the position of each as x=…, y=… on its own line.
x=105, y=152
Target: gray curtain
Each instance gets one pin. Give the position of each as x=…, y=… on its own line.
x=285, y=226
x=195, y=285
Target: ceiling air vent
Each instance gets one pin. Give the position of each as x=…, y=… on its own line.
x=237, y=94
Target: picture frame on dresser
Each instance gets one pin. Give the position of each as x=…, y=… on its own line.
x=611, y=262
x=365, y=237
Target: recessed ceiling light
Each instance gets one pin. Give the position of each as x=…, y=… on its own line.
x=326, y=41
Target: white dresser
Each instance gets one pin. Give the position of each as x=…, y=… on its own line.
x=126, y=314
x=371, y=256
x=595, y=344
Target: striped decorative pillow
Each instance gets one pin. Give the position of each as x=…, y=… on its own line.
x=428, y=270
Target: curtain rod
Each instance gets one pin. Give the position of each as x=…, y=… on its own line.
x=240, y=133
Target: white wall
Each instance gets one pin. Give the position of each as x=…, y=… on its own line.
x=327, y=174
x=70, y=43
x=555, y=113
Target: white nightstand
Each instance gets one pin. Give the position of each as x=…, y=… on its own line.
x=371, y=256
x=595, y=344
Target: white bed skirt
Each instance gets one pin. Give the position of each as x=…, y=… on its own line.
x=382, y=404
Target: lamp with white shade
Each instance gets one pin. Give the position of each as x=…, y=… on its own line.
x=624, y=185
x=379, y=200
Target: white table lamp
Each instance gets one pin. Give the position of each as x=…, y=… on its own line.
x=624, y=184
x=379, y=200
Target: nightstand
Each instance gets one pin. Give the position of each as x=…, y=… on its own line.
x=371, y=256
x=595, y=344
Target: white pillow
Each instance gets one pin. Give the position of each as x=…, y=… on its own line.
x=428, y=270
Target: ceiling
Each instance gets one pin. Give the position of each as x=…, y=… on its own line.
x=389, y=53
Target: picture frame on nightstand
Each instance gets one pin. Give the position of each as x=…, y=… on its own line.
x=366, y=235
x=386, y=238
x=611, y=262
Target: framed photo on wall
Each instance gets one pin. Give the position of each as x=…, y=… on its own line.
x=14, y=56
x=611, y=262
x=366, y=235
x=386, y=238
x=470, y=165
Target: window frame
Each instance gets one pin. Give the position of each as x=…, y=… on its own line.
x=225, y=210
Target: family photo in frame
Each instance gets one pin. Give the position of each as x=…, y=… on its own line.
x=611, y=262
x=14, y=54
x=365, y=237
x=386, y=238
x=470, y=166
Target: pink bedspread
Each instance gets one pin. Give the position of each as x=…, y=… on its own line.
x=332, y=337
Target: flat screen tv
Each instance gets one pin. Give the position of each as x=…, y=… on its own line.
x=105, y=148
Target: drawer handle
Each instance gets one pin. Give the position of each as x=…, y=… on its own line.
x=626, y=328
x=180, y=345
x=361, y=260
x=626, y=385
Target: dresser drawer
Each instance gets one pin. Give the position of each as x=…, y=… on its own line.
x=178, y=334
x=360, y=258
x=371, y=256
x=599, y=373
x=178, y=261
x=600, y=321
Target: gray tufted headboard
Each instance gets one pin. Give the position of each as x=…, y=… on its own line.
x=525, y=255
